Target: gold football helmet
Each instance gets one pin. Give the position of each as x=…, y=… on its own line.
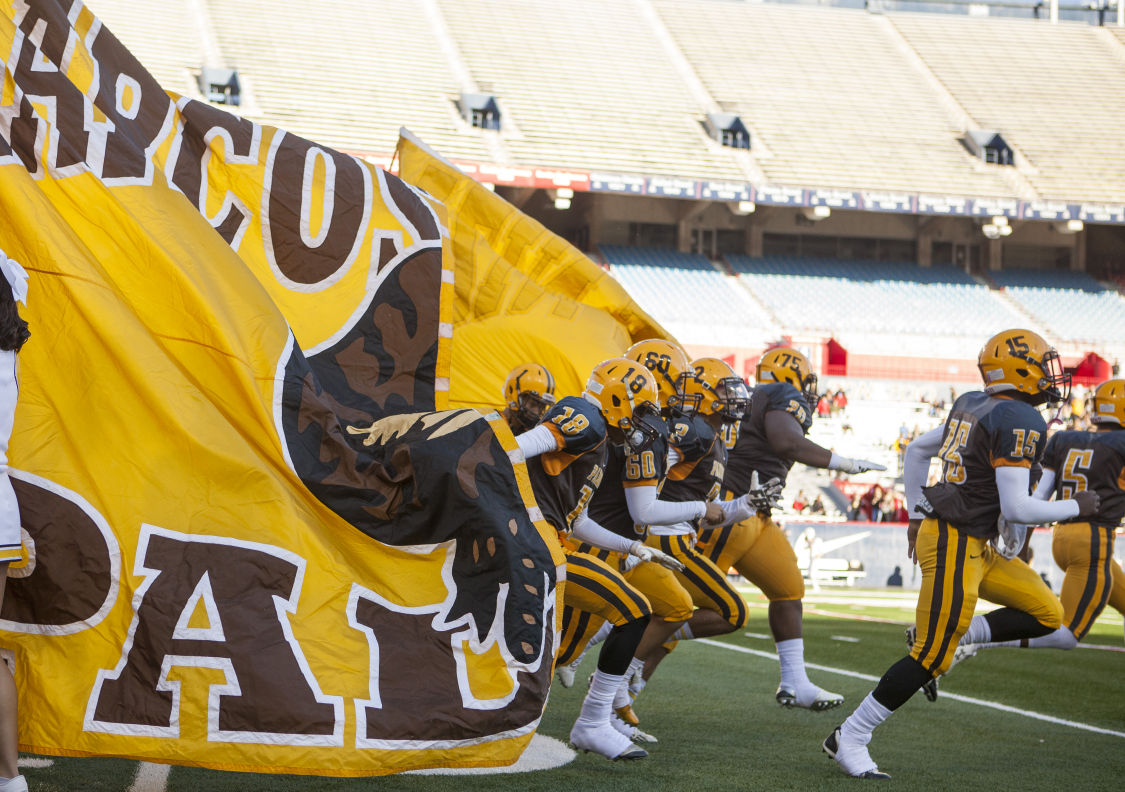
x=670, y=367
x=1021, y=361
x=785, y=364
x=626, y=393
x=721, y=391
x=1107, y=405
x=529, y=391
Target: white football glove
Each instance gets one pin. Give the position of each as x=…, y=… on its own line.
x=848, y=465
x=762, y=497
x=1011, y=538
x=646, y=553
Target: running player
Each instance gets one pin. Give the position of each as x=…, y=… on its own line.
x=987, y=447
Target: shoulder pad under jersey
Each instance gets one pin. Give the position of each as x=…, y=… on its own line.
x=578, y=424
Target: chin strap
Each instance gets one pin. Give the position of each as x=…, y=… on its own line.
x=1057, y=419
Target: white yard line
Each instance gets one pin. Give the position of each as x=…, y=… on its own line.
x=966, y=699
x=150, y=777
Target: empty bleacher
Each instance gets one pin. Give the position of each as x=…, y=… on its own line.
x=169, y=44
x=585, y=84
x=876, y=298
x=693, y=300
x=1047, y=88
x=1072, y=306
x=831, y=96
x=347, y=73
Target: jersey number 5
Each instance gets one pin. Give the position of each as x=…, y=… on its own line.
x=1072, y=481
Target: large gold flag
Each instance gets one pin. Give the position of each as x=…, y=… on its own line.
x=255, y=536
x=524, y=294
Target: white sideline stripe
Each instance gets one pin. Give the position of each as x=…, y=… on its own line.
x=966, y=699
x=150, y=777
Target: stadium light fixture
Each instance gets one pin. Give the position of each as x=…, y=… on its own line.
x=815, y=213
x=995, y=231
x=1000, y=220
x=1074, y=226
x=743, y=207
x=563, y=196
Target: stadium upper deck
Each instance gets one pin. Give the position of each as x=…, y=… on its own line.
x=834, y=98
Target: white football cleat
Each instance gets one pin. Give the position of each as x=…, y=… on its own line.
x=963, y=652
x=851, y=755
x=811, y=697
x=634, y=733
x=602, y=738
x=566, y=674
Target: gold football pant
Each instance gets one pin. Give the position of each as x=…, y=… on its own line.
x=705, y=582
x=594, y=592
x=761, y=553
x=1092, y=577
x=669, y=600
x=956, y=569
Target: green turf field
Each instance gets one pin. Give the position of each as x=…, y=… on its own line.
x=712, y=708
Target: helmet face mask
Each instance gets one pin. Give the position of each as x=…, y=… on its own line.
x=642, y=430
x=719, y=390
x=733, y=397
x=1055, y=383
x=529, y=391
x=1022, y=363
x=531, y=406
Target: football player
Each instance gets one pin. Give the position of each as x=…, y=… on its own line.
x=628, y=501
x=987, y=447
x=764, y=445
x=695, y=473
x=1074, y=462
x=529, y=391
x=566, y=456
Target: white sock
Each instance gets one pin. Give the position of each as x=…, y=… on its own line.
x=979, y=632
x=599, y=698
x=17, y=784
x=621, y=697
x=682, y=634
x=791, y=653
x=869, y=714
x=1062, y=638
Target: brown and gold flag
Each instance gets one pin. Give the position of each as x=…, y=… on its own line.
x=255, y=535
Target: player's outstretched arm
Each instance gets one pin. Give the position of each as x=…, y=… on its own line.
x=539, y=440
x=787, y=440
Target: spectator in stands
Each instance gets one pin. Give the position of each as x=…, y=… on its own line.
x=817, y=506
x=823, y=408
x=870, y=502
x=895, y=578
x=840, y=401
x=855, y=509
x=800, y=502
